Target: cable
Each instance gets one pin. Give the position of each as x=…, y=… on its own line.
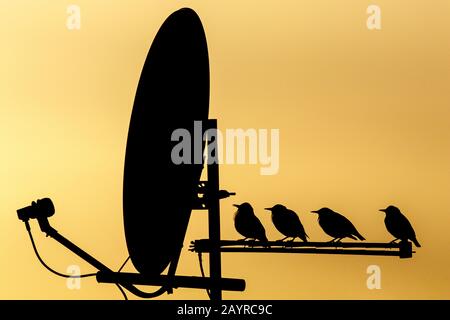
x=203, y=271
x=50, y=269
x=122, y=291
x=123, y=265
x=118, y=285
x=147, y=295
x=138, y=292
x=131, y=288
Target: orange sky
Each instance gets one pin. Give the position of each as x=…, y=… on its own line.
x=363, y=117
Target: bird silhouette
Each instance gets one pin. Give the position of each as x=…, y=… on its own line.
x=336, y=225
x=287, y=222
x=248, y=224
x=398, y=225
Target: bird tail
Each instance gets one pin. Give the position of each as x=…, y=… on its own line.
x=305, y=237
x=417, y=244
x=360, y=237
x=263, y=238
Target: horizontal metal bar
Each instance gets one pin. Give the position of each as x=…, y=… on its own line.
x=402, y=249
x=174, y=282
x=298, y=244
x=314, y=251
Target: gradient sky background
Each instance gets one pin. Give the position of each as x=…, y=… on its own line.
x=364, y=119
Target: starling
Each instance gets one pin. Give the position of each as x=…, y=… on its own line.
x=399, y=226
x=287, y=222
x=248, y=224
x=336, y=225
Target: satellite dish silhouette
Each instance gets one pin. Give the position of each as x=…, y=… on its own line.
x=173, y=91
x=158, y=195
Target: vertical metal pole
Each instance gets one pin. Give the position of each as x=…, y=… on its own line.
x=215, y=267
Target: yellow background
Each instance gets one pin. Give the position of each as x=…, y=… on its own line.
x=363, y=116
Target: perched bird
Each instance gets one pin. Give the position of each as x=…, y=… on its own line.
x=247, y=223
x=336, y=225
x=398, y=225
x=287, y=222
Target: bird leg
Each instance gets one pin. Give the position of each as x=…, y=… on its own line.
x=336, y=241
x=252, y=243
x=289, y=243
x=249, y=242
x=394, y=241
x=242, y=240
x=286, y=243
x=281, y=240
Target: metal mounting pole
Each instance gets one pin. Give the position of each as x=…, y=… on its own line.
x=215, y=267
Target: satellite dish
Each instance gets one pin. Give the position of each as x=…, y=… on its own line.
x=173, y=92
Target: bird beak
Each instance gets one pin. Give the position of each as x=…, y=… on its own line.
x=382, y=210
x=236, y=205
x=315, y=211
x=270, y=209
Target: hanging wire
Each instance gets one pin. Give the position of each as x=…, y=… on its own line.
x=67, y=275
x=49, y=268
x=138, y=292
x=133, y=289
x=123, y=265
x=122, y=291
x=118, y=285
